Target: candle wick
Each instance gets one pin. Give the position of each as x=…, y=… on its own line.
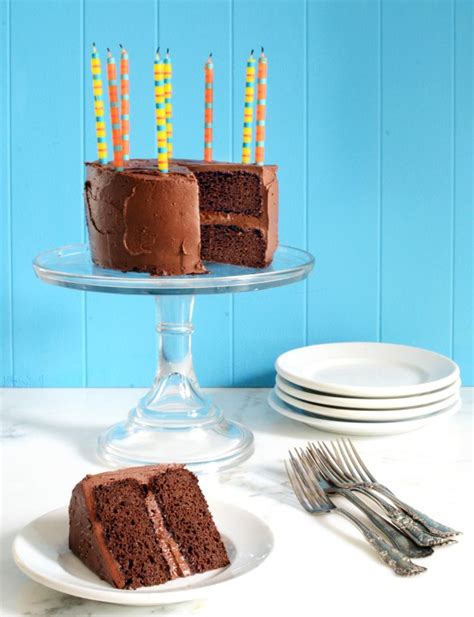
x=120, y=45
x=167, y=50
x=251, y=53
x=263, y=51
x=210, y=54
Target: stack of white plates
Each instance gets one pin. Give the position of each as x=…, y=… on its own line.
x=365, y=388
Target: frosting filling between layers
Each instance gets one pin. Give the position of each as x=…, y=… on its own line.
x=176, y=562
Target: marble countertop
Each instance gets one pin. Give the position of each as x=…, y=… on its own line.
x=320, y=565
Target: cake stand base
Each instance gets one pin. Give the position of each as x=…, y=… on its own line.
x=176, y=422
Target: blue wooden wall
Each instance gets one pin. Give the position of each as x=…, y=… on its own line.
x=369, y=117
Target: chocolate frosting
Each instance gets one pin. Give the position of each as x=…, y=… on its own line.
x=142, y=220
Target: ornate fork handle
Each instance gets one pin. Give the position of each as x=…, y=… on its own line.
x=390, y=555
x=435, y=528
x=404, y=544
x=410, y=527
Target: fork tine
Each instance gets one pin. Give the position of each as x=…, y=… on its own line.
x=326, y=469
x=295, y=486
x=297, y=472
x=355, y=464
x=353, y=470
x=360, y=461
x=334, y=461
x=341, y=461
x=309, y=476
x=301, y=490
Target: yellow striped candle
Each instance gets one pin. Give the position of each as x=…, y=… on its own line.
x=99, y=110
x=114, y=112
x=168, y=74
x=248, y=109
x=125, y=103
x=208, y=107
x=160, y=115
x=261, y=109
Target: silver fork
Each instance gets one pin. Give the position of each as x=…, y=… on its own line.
x=314, y=500
x=350, y=472
x=404, y=543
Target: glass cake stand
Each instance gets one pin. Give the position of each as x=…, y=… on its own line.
x=175, y=421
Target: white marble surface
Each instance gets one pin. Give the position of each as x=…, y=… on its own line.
x=319, y=565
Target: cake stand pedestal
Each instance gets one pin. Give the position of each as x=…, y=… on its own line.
x=175, y=421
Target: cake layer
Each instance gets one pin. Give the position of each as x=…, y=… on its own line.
x=247, y=246
x=142, y=220
x=143, y=526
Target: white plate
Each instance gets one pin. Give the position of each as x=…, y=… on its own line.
x=346, y=427
x=41, y=551
x=369, y=415
x=367, y=403
x=372, y=370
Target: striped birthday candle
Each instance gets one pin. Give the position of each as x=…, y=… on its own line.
x=208, y=107
x=99, y=111
x=248, y=109
x=160, y=115
x=125, y=103
x=168, y=74
x=114, y=111
x=261, y=108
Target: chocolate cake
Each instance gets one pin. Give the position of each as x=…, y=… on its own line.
x=142, y=220
x=144, y=526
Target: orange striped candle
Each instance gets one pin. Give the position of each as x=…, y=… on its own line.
x=114, y=111
x=168, y=74
x=261, y=108
x=125, y=103
x=208, y=107
x=99, y=110
x=248, y=109
x=160, y=115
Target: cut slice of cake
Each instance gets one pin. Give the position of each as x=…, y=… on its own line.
x=144, y=526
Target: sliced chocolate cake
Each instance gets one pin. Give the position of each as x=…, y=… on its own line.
x=144, y=526
x=165, y=224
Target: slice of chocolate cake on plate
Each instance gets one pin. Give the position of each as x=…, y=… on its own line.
x=144, y=526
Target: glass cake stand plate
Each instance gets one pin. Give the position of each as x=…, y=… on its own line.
x=175, y=421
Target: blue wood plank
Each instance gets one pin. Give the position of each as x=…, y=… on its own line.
x=463, y=341
x=343, y=176
x=267, y=323
x=417, y=249
x=46, y=187
x=192, y=30
x=120, y=330
x=6, y=346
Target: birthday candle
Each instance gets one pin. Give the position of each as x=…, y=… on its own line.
x=99, y=110
x=160, y=115
x=168, y=74
x=248, y=109
x=114, y=112
x=208, y=107
x=261, y=108
x=125, y=103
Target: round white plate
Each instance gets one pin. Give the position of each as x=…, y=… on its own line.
x=346, y=427
x=41, y=551
x=370, y=415
x=367, y=403
x=373, y=370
